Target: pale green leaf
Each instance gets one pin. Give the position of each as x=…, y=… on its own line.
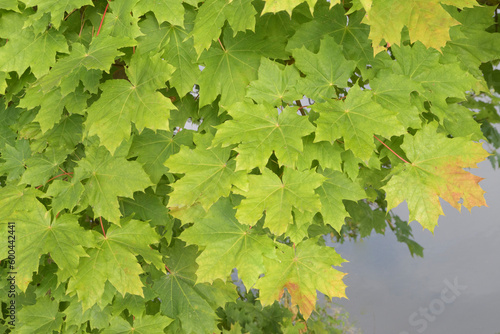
x=262, y=130
x=275, y=196
x=228, y=244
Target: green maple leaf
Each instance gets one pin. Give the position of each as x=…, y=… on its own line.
x=356, y=119
x=336, y=188
x=193, y=304
x=228, y=244
x=99, y=55
x=302, y=270
x=350, y=33
x=324, y=70
x=55, y=8
x=65, y=195
x=436, y=170
x=52, y=104
x=136, y=101
x=228, y=72
x=28, y=49
x=262, y=131
x=427, y=21
x=153, y=149
x=44, y=317
x=211, y=17
x=177, y=49
x=106, y=178
x=181, y=54
x=277, y=197
x=439, y=81
x=208, y=22
x=147, y=324
x=276, y=84
x=120, y=21
x=66, y=134
x=327, y=154
x=470, y=42
x=209, y=174
x=15, y=158
x=148, y=207
x=392, y=91
x=9, y=5
x=170, y=11
x=41, y=166
x=274, y=6
x=114, y=260
x=367, y=218
x=39, y=234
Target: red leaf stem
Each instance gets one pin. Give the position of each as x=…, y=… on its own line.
x=391, y=150
x=55, y=177
x=102, y=226
x=102, y=20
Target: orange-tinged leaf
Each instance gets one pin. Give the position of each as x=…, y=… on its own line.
x=436, y=170
x=302, y=270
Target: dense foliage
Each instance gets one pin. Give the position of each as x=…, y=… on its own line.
x=153, y=151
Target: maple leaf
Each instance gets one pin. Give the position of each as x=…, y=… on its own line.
x=209, y=174
x=148, y=207
x=15, y=158
x=114, y=260
x=120, y=20
x=123, y=102
x=39, y=234
x=229, y=71
x=350, y=33
x=327, y=154
x=302, y=270
x=193, y=304
x=170, y=11
x=427, y=21
x=277, y=197
x=28, y=49
x=439, y=81
x=211, y=17
x=146, y=324
x=356, y=119
x=106, y=178
x=336, y=188
x=68, y=71
x=228, y=244
x=177, y=49
x=153, y=149
x=65, y=195
x=470, y=43
x=41, y=166
x=324, y=70
x=392, y=91
x=276, y=84
x=273, y=6
x=54, y=8
x=44, y=317
x=262, y=131
x=436, y=170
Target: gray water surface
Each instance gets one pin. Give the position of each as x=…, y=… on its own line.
x=455, y=288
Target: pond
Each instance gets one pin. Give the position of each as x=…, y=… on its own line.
x=454, y=288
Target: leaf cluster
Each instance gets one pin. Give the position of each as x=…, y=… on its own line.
x=149, y=148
